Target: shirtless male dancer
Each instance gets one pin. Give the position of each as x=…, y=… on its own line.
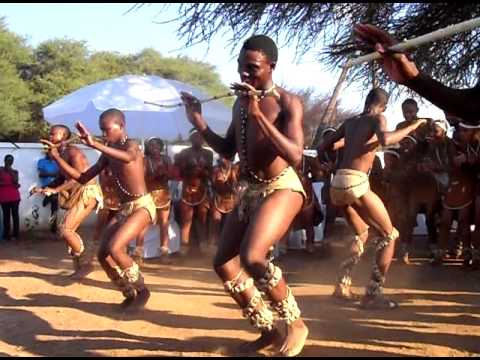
x=195, y=164
x=157, y=174
x=125, y=159
x=224, y=197
x=350, y=190
x=78, y=199
x=267, y=133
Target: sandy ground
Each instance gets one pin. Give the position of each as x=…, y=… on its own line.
x=42, y=314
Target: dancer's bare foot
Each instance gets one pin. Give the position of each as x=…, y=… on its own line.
x=297, y=333
x=377, y=303
x=81, y=272
x=266, y=339
x=138, y=302
x=345, y=294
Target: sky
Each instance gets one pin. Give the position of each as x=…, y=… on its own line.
x=107, y=27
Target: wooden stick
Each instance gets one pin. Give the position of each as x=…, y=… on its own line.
x=272, y=92
x=418, y=41
x=201, y=101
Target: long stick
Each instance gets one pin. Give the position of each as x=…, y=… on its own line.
x=231, y=93
x=270, y=92
x=327, y=115
x=418, y=41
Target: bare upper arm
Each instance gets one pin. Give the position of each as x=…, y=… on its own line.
x=94, y=170
x=380, y=126
x=133, y=149
x=293, y=117
x=77, y=159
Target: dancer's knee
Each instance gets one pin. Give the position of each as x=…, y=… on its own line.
x=115, y=249
x=383, y=242
x=254, y=263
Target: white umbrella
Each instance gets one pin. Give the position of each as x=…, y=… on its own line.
x=129, y=93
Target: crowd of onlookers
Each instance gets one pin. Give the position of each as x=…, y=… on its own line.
x=434, y=172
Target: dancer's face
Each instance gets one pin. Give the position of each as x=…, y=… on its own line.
x=438, y=132
x=112, y=129
x=155, y=149
x=57, y=135
x=197, y=140
x=255, y=68
x=409, y=111
x=407, y=146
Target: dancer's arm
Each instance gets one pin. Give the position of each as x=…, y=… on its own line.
x=223, y=146
x=335, y=139
x=289, y=144
x=463, y=103
x=71, y=171
x=387, y=138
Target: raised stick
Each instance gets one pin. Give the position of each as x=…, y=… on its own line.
x=418, y=41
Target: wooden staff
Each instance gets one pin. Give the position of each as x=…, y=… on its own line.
x=418, y=41
x=270, y=92
x=230, y=93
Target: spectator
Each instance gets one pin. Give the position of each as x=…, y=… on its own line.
x=47, y=172
x=9, y=197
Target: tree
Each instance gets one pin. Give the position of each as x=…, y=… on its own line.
x=14, y=92
x=314, y=106
x=32, y=78
x=182, y=68
x=453, y=61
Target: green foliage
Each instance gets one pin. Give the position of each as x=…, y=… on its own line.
x=33, y=78
x=14, y=95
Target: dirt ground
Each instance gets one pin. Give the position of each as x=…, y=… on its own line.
x=43, y=314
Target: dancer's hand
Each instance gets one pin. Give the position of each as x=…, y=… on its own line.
x=84, y=134
x=35, y=190
x=49, y=191
x=420, y=122
x=248, y=97
x=193, y=109
x=396, y=64
x=51, y=148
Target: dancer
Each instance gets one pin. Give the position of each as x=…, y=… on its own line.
x=195, y=164
x=224, y=197
x=267, y=122
x=78, y=199
x=350, y=190
x=157, y=174
x=124, y=158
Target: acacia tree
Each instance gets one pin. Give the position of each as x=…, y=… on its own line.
x=327, y=28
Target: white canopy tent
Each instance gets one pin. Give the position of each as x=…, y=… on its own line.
x=129, y=93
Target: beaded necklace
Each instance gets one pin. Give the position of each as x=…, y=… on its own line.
x=243, y=150
x=117, y=180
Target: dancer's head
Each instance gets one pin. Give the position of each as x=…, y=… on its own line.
x=59, y=133
x=257, y=60
x=410, y=109
x=440, y=128
x=154, y=147
x=196, y=139
x=112, y=124
x=376, y=101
